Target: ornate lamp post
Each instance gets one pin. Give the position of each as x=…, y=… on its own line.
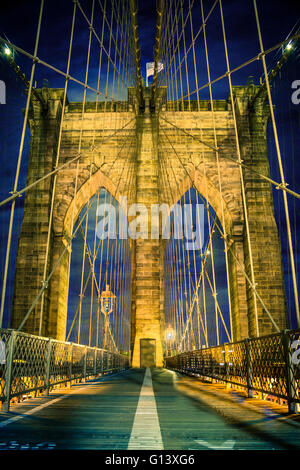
x=107, y=302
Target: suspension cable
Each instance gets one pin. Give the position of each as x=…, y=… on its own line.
x=17, y=174
x=281, y=170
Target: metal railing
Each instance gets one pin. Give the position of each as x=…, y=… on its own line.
x=268, y=364
x=31, y=363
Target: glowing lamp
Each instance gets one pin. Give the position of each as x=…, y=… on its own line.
x=107, y=302
x=107, y=299
x=170, y=334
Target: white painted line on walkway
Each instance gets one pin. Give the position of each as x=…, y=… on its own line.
x=227, y=445
x=146, y=432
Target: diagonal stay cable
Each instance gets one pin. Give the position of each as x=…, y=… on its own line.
x=30, y=186
x=99, y=40
x=204, y=260
x=100, y=242
x=253, y=287
x=19, y=161
x=246, y=63
x=37, y=60
x=194, y=39
x=281, y=186
x=45, y=285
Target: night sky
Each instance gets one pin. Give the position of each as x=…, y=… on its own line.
x=18, y=23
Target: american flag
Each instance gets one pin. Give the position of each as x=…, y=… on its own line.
x=150, y=69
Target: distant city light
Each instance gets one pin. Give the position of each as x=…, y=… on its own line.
x=289, y=46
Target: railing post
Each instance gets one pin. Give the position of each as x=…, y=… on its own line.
x=71, y=363
x=249, y=368
x=290, y=372
x=84, y=363
x=102, y=366
x=107, y=361
x=212, y=366
x=226, y=365
x=95, y=363
x=104, y=360
x=203, y=364
x=192, y=363
x=8, y=369
x=48, y=365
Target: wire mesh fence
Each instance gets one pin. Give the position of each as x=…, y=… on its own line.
x=31, y=363
x=268, y=364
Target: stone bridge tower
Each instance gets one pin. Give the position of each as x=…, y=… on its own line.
x=137, y=130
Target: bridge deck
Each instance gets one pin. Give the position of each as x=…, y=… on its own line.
x=157, y=410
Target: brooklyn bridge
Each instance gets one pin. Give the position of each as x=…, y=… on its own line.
x=149, y=215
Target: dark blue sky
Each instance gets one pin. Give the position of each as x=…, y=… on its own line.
x=18, y=23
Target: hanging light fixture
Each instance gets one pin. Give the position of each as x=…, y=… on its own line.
x=107, y=299
x=107, y=302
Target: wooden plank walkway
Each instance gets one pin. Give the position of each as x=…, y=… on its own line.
x=145, y=433
x=113, y=412
x=216, y=418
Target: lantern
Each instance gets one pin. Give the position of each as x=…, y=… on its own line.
x=107, y=302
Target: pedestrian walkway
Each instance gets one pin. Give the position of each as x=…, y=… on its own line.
x=146, y=409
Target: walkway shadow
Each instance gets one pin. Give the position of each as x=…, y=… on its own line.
x=250, y=426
